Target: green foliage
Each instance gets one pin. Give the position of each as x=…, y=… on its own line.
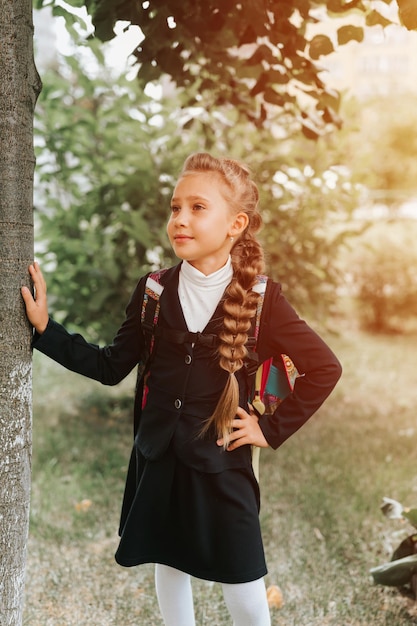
x=254, y=57
x=383, y=269
x=107, y=159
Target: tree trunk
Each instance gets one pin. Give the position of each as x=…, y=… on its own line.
x=19, y=87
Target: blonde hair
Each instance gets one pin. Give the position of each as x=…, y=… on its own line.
x=240, y=303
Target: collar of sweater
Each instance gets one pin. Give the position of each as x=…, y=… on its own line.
x=219, y=278
x=200, y=294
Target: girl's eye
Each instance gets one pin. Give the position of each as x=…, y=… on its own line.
x=175, y=209
x=198, y=207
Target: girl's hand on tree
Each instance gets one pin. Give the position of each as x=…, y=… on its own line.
x=246, y=431
x=36, y=307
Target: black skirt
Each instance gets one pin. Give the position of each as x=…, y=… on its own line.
x=204, y=524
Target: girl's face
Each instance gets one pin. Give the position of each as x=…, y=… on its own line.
x=201, y=223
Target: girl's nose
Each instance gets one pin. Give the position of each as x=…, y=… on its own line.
x=181, y=218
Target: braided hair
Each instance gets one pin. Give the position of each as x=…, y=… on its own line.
x=240, y=302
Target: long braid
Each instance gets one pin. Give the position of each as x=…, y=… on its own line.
x=240, y=303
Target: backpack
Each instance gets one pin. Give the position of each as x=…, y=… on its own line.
x=272, y=380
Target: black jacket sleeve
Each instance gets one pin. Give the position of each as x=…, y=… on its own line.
x=109, y=364
x=283, y=332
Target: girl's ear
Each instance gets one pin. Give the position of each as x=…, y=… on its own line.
x=241, y=221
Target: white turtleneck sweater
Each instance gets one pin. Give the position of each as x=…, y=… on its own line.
x=200, y=294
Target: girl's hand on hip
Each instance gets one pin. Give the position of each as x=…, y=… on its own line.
x=246, y=431
x=36, y=307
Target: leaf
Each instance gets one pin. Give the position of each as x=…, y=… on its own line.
x=188, y=123
x=169, y=61
x=407, y=547
x=273, y=97
x=148, y=73
x=408, y=13
x=411, y=515
x=83, y=506
x=104, y=29
x=309, y=130
x=331, y=117
x=248, y=36
x=349, y=33
x=320, y=45
x=395, y=573
x=70, y=18
x=260, y=84
x=331, y=99
x=274, y=597
x=374, y=18
x=278, y=77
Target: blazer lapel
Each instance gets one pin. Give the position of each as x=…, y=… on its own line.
x=171, y=310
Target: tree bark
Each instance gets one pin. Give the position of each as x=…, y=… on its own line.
x=19, y=88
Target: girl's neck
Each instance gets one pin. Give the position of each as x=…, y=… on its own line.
x=197, y=276
x=208, y=267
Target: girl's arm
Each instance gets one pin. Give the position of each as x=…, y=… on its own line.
x=283, y=332
x=109, y=364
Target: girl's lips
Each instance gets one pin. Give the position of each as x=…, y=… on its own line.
x=182, y=238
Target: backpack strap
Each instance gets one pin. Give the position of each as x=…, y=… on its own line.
x=259, y=287
x=150, y=307
x=149, y=320
x=261, y=372
x=251, y=360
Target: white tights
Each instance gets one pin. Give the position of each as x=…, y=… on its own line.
x=246, y=602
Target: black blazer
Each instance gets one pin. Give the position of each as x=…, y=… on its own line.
x=185, y=380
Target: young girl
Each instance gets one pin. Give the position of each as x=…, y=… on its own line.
x=192, y=501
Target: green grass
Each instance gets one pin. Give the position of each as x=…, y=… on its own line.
x=321, y=493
